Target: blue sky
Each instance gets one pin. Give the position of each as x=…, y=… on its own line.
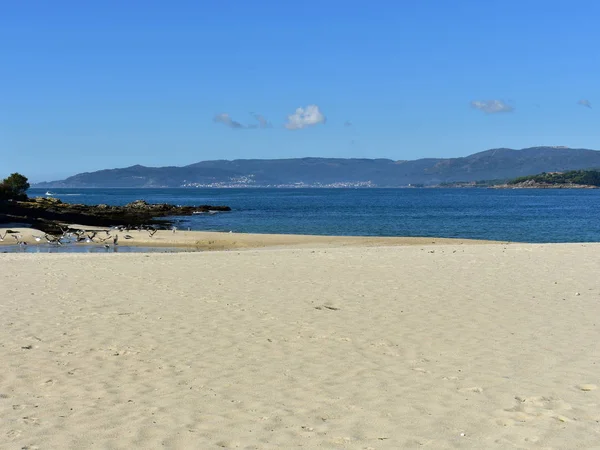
x=93, y=85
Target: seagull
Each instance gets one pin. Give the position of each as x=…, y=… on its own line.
x=53, y=239
x=174, y=228
x=19, y=239
x=37, y=238
x=7, y=232
x=151, y=232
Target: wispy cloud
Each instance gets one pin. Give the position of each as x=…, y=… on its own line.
x=305, y=117
x=226, y=120
x=585, y=103
x=347, y=123
x=262, y=121
x=491, y=106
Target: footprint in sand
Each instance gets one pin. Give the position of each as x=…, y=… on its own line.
x=475, y=389
x=31, y=420
x=13, y=434
x=329, y=307
x=529, y=408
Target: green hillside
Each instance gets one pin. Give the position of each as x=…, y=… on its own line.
x=585, y=177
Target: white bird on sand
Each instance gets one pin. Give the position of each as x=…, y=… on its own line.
x=19, y=239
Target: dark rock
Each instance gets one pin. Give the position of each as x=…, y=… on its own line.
x=47, y=214
x=47, y=200
x=137, y=204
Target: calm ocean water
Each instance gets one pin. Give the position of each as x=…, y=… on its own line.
x=512, y=215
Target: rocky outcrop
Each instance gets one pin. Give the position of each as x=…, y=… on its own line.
x=532, y=184
x=48, y=214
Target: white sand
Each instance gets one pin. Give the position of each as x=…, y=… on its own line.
x=446, y=346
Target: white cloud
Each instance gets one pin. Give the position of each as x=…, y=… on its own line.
x=585, y=103
x=305, y=117
x=491, y=106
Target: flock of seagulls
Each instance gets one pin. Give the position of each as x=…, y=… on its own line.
x=108, y=238
x=14, y=234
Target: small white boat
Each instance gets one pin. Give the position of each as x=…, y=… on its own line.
x=49, y=194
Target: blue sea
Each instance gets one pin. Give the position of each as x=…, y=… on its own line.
x=524, y=215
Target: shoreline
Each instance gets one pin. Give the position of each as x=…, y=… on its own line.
x=216, y=240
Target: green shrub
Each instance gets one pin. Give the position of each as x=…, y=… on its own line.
x=14, y=187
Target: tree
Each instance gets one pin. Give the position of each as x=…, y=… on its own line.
x=14, y=187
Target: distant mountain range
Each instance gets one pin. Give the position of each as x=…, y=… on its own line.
x=495, y=164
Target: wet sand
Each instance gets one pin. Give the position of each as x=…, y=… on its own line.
x=206, y=240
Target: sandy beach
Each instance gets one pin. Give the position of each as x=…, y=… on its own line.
x=339, y=343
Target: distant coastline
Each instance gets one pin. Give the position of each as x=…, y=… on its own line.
x=500, y=165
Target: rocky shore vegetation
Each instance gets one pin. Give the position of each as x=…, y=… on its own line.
x=49, y=214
